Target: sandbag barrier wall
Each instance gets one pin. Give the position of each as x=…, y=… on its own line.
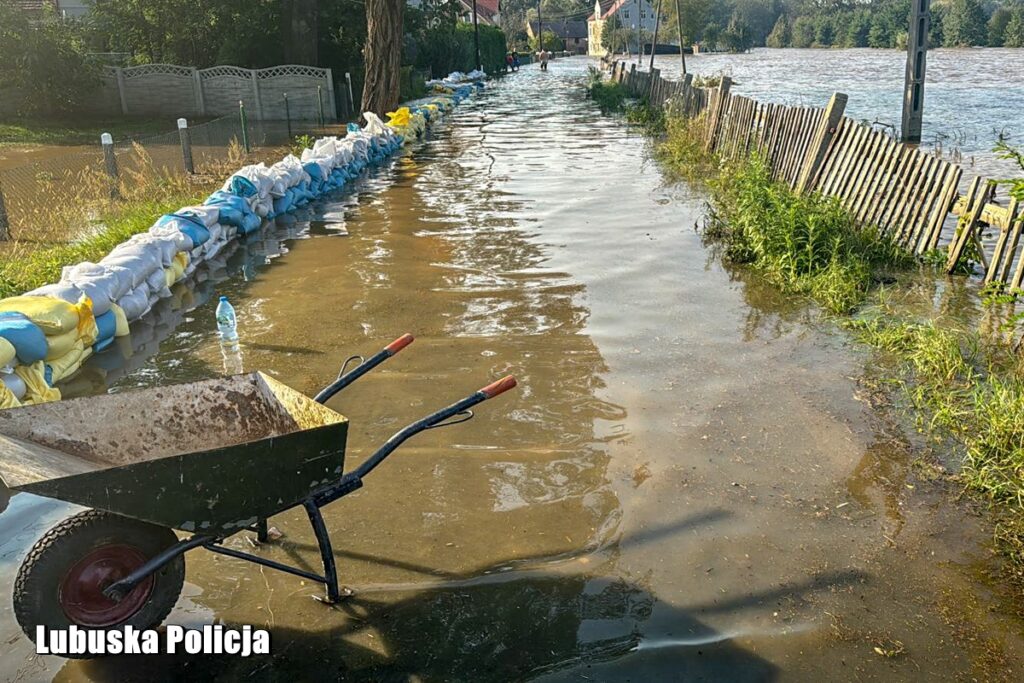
x=46, y=334
x=906, y=192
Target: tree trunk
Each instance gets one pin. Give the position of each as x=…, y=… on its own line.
x=383, y=55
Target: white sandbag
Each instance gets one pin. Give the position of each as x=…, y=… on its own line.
x=207, y=215
x=15, y=384
x=157, y=282
x=65, y=291
x=257, y=175
x=213, y=248
x=374, y=126
x=140, y=260
x=165, y=245
x=216, y=232
x=183, y=241
x=135, y=303
x=103, y=283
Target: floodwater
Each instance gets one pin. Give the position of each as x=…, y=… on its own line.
x=972, y=96
x=691, y=481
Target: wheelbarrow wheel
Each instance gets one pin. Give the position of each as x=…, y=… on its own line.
x=62, y=579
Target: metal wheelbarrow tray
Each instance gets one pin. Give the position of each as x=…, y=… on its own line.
x=131, y=458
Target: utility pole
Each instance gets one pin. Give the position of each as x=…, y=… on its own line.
x=639, y=44
x=679, y=25
x=476, y=38
x=654, y=41
x=913, y=88
x=540, y=27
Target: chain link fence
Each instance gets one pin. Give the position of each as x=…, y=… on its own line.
x=54, y=197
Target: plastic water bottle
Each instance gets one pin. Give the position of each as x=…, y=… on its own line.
x=227, y=324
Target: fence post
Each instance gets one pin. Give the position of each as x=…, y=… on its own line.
x=819, y=144
x=716, y=114
x=320, y=104
x=186, y=146
x=256, y=99
x=351, y=98
x=333, y=109
x=652, y=93
x=245, y=126
x=119, y=73
x=5, y=224
x=288, y=117
x=197, y=87
x=110, y=162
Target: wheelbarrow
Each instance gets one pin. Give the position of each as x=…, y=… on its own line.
x=210, y=458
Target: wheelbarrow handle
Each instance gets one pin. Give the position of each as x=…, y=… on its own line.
x=358, y=371
x=353, y=480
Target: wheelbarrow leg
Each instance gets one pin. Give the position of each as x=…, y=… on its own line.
x=262, y=535
x=334, y=593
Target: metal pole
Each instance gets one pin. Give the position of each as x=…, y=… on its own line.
x=679, y=25
x=5, y=224
x=245, y=126
x=320, y=103
x=639, y=44
x=654, y=41
x=110, y=161
x=186, y=146
x=913, y=88
x=288, y=116
x=540, y=27
x=476, y=38
x=351, y=99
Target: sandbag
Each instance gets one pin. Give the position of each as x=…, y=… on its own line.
x=68, y=364
x=37, y=389
x=121, y=328
x=183, y=241
x=27, y=338
x=157, y=283
x=53, y=316
x=141, y=262
x=15, y=384
x=58, y=345
x=8, y=354
x=106, y=326
x=135, y=303
x=103, y=284
x=65, y=291
x=206, y=214
x=7, y=398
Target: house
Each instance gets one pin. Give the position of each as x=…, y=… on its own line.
x=487, y=11
x=615, y=14
x=67, y=9
x=572, y=33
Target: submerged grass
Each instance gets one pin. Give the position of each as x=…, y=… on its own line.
x=973, y=392
x=607, y=95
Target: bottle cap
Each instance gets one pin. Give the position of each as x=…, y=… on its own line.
x=223, y=298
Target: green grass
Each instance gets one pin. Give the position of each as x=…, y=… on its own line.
x=608, y=96
x=22, y=272
x=28, y=132
x=973, y=392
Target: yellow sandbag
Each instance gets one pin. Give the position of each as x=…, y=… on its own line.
x=59, y=344
x=37, y=390
x=183, y=258
x=121, y=321
x=169, y=276
x=399, y=117
x=52, y=315
x=87, y=330
x=7, y=398
x=7, y=353
x=68, y=364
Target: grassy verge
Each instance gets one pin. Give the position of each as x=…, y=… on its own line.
x=608, y=96
x=807, y=245
x=974, y=392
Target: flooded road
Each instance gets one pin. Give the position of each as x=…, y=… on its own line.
x=689, y=482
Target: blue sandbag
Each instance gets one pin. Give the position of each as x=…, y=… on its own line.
x=28, y=340
x=190, y=226
x=314, y=170
x=107, y=326
x=233, y=209
x=251, y=223
x=102, y=344
x=242, y=187
x=283, y=204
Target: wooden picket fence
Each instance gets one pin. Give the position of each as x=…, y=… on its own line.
x=905, y=192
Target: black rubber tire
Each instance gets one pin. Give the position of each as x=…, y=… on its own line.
x=37, y=587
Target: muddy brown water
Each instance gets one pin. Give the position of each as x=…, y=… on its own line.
x=689, y=483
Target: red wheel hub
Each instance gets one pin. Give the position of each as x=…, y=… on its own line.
x=81, y=591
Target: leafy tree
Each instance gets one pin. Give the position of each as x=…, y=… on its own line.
x=1014, y=34
x=858, y=28
x=804, y=31
x=824, y=31
x=964, y=24
x=997, y=26
x=780, y=35
x=43, y=63
x=737, y=34
x=551, y=42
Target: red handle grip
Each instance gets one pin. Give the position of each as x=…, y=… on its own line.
x=399, y=344
x=499, y=387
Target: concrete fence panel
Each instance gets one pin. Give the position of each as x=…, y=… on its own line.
x=224, y=87
x=159, y=89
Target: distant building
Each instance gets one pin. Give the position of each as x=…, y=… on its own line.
x=572, y=33
x=68, y=9
x=614, y=14
x=487, y=11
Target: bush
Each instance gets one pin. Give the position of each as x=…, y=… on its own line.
x=450, y=47
x=42, y=64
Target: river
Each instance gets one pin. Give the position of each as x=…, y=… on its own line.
x=692, y=480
